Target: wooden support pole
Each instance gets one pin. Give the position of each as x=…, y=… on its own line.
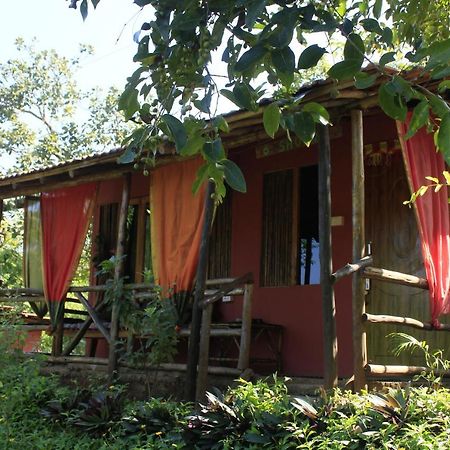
x=351, y=268
x=326, y=264
x=406, y=321
x=193, y=351
x=246, y=333
x=203, y=359
x=58, y=334
x=358, y=217
x=390, y=276
x=118, y=272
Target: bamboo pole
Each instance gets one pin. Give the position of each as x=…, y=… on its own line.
x=193, y=350
x=246, y=333
x=203, y=360
x=330, y=350
x=390, y=276
x=407, y=321
x=118, y=272
x=358, y=217
x=392, y=371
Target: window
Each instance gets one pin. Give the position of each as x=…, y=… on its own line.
x=219, y=263
x=290, y=237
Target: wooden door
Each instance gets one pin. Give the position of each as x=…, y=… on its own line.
x=392, y=229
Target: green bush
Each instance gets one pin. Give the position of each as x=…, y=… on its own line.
x=36, y=412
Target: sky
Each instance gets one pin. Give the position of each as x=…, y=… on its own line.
x=109, y=29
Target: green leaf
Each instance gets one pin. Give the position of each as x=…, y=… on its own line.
x=377, y=8
x=318, y=112
x=176, y=129
x=372, y=26
x=443, y=137
x=363, y=80
x=128, y=102
x=202, y=175
x=284, y=60
x=438, y=105
x=310, y=56
x=354, y=48
x=250, y=58
x=439, y=53
x=254, y=10
x=344, y=69
x=214, y=151
x=193, y=145
x=84, y=9
x=387, y=58
x=234, y=176
x=443, y=86
x=128, y=156
x=304, y=127
x=271, y=119
x=419, y=118
x=391, y=102
x=221, y=124
x=244, y=98
x=281, y=36
x=387, y=36
x=342, y=8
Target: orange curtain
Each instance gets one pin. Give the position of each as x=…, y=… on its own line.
x=421, y=160
x=176, y=218
x=65, y=215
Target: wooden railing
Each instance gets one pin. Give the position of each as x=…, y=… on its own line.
x=364, y=268
x=90, y=315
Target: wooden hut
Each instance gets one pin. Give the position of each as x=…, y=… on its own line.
x=307, y=213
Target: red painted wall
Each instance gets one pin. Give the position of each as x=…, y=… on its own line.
x=297, y=308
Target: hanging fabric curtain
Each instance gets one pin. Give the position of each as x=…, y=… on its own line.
x=176, y=224
x=421, y=160
x=32, y=251
x=65, y=215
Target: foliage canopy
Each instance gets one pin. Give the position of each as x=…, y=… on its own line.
x=270, y=40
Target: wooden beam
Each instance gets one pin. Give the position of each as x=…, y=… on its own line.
x=390, y=276
x=94, y=316
x=226, y=289
x=406, y=321
x=82, y=331
x=351, y=268
x=118, y=272
x=330, y=349
x=358, y=218
x=194, y=338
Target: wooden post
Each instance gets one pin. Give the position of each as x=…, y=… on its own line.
x=194, y=337
x=330, y=344
x=246, y=333
x=203, y=359
x=58, y=334
x=118, y=272
x=358, y=217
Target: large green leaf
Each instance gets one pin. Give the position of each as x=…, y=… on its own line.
x=443, y=137
x=419, y=118
x=354, y=49
x=439, y=53
x=344, y=70
x=391, y=102
x=318, y=112
x=250, y=58
x=387, y=58
x=304, y=127
x=176, y=129
x=243, y=95
x=438, y=105
x=284, y=61
x=310, y=56
x=234, y=176
x=128, y=102
x=193, y=145
x=364, y=80
x=372, y=26
x=214, y=151
x=271, y=119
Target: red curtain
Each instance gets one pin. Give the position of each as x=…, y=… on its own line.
x=65, y=215
x=421, y=160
